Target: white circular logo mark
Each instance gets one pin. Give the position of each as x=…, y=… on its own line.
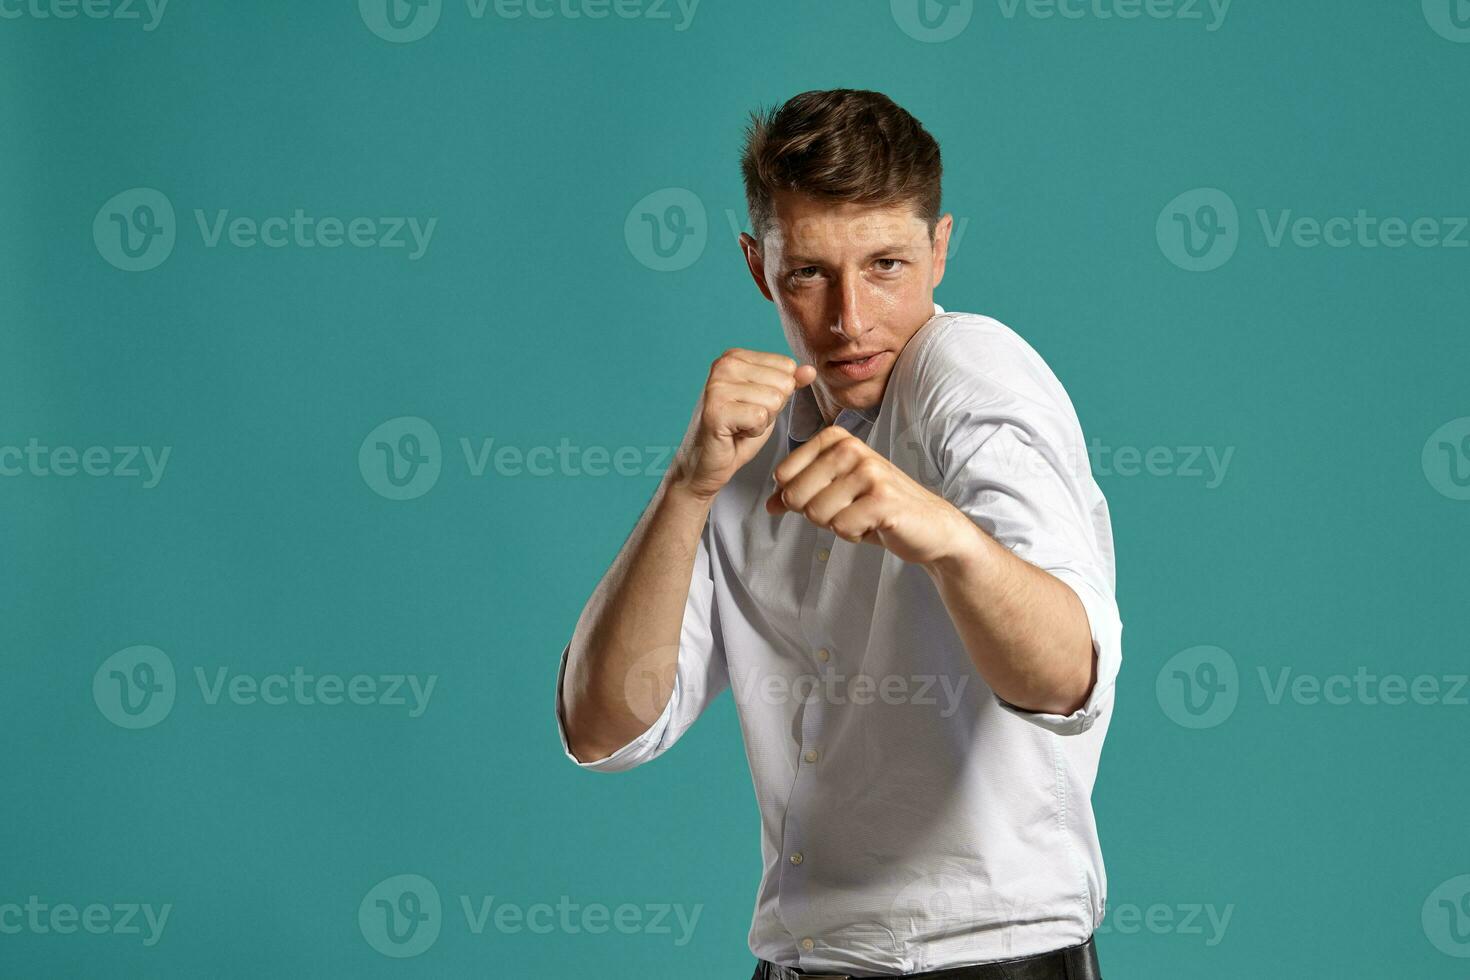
x=1446, y=459
x=1450, y=19
x=667, y=230
x=135, y=687
x=1446, y=917
x=1198, y=687
x=401, y=458
x=135, y=230
x=401, y=916
x=400, y=21
x=932, y=21
x=1199, y=230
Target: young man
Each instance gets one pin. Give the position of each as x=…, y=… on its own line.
x=895, y=556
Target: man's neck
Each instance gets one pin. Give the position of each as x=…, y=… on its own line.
x=828, y=408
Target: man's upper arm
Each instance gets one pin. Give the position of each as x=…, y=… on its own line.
x=699, y=677
x=1008, y=451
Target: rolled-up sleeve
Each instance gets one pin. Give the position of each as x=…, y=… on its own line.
x=1007, y=449
x=701, y=674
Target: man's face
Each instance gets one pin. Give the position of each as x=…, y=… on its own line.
x=851, y=283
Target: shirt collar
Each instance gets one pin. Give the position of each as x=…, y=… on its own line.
x=806, y=416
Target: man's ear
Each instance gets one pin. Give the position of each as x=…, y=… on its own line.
x=756, y=263
x=942, y=228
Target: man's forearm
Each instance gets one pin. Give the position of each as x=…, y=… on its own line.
x=1025, y=629
x=632, y=624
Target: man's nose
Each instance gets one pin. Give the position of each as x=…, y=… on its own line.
x=851, y=322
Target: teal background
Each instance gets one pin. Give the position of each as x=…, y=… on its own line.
x=1326, y=547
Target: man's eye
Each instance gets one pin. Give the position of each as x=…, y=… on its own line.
x=798, y=275
x=891, y=268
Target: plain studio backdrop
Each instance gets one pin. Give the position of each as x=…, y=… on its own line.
x=343, y=344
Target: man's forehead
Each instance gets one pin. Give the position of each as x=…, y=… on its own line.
x=806, y=226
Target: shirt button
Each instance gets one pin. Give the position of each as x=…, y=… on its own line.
x=823, y=554
x=808, y=943
x=823, y=654
x=796, y=858
x=811, y=755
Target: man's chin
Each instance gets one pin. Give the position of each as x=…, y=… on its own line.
x=860, y=395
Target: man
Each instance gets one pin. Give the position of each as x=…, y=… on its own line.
x=896, y=557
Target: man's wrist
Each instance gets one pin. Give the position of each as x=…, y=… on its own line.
x=969, y=553
x=678, y=492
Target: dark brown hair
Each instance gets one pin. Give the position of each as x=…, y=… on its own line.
x=844, y=145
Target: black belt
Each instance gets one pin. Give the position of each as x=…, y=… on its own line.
x=1073, y=963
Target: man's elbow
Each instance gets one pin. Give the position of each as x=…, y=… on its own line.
x=589, y=751
x=1068, y=691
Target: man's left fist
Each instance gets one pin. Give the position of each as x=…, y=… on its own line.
x=837, y=481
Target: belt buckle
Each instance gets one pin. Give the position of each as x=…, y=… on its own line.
x=823, y=976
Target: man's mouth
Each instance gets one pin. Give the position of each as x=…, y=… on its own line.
x=858, y=367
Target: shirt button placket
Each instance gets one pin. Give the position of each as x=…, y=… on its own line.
x=811, y=708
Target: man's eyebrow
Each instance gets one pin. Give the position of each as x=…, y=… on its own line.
x=896, y=248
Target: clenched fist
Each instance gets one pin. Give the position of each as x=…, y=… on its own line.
x=837, y=481
x=745, y=392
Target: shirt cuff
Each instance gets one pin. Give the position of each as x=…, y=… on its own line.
x=1106, y=630
x=630, y=755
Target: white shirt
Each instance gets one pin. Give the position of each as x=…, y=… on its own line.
x=911, y=820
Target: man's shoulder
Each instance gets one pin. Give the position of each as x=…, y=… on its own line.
x=979, y=355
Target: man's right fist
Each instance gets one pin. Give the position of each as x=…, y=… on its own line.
x=745, y=392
